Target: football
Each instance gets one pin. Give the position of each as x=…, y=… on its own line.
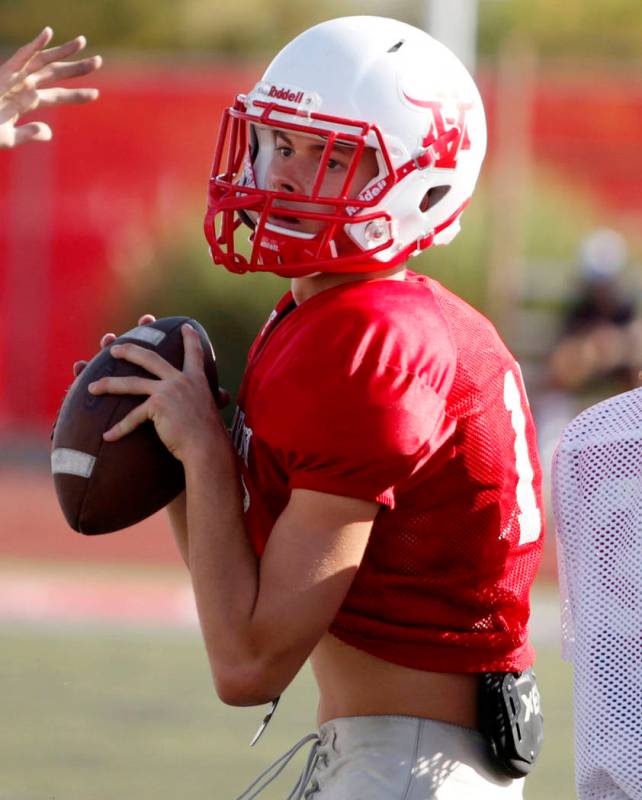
x=107, y=486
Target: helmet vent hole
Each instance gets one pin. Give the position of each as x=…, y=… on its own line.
x=433, y=196
x=397, y=46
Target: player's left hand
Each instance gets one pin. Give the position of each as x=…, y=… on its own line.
x=26, y=84
x=179, y=403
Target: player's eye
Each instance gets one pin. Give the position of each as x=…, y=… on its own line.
x=285, y=151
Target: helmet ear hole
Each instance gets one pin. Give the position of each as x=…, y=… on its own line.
x=432, y=197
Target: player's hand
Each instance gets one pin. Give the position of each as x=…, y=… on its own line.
x=223, y=397
x=26, y=84
x=179, y=402
x=108, y=338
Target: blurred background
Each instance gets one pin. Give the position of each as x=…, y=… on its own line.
x=103, y=677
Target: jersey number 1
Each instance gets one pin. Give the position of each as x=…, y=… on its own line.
x=530, y=519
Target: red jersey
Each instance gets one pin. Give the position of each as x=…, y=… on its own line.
x=399, y=392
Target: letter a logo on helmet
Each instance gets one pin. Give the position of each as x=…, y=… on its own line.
x=447, y=134
x=354, y=83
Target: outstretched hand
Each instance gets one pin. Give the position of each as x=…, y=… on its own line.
x=25, y=85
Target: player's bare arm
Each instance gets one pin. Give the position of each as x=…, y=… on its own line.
x=260, y=620
x=27, y=82
x=177, y=513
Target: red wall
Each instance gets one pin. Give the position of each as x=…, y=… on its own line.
x=591, y=127
x=120, y=172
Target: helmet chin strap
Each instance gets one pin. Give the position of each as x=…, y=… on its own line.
x=332, y=248
x=440, y=235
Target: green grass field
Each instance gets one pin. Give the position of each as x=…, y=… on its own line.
x=104, y=713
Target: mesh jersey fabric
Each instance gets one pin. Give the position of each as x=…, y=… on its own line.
x=401, y=393
x=597, y=501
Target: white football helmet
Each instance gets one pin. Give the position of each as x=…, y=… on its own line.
x=356, y=82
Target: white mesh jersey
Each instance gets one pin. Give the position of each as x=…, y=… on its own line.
x=597, y=501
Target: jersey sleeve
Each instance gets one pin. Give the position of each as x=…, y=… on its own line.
x=356, y=423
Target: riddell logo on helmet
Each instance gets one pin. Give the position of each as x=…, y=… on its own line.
x=369, y=194
x=285, y=94
x=372, y=192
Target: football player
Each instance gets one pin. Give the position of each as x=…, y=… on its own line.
x=597, y=502
x=25, y=85
x=377, y=508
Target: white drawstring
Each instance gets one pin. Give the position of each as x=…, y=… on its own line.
x=276, y=768
x=313, y=756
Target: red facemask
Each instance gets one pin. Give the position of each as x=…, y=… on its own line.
x=235, y=198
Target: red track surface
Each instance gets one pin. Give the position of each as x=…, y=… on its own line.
x=50, y=573
x=32, y=527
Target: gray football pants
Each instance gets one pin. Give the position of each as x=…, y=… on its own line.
x=404, y=758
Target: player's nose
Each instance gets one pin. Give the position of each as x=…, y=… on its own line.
x=293, y=178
